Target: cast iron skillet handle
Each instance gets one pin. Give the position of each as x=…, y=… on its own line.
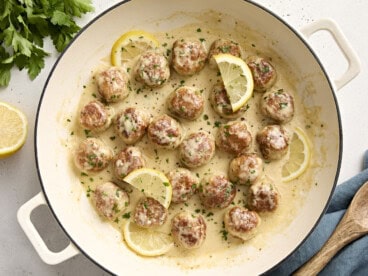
x=24, y=219
x=341, y=41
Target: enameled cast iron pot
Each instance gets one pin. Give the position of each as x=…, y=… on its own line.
x=100, y=242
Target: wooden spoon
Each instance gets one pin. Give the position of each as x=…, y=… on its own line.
x=353, y=225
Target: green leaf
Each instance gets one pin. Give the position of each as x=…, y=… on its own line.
x=27, y=32
x=6, y=8
x=27, y=3
x=25, y=23
x=39, y=24
x=62, y=19
x=19, y=43
x=4, y=67
x=62, y=37
x=78, y=7
x=8, y=60
x=36, y=63
x=5, y=74
x=21, y=61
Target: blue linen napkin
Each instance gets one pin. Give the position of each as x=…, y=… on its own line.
x=351, y=260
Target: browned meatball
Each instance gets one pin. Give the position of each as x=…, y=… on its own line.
x=241, y=223
x=113, y=84
x=273, y=142
x=188, y=230
x=197, y=149
x=216, y=191
x=264, y=74
x=278, y=106
x=92, y=155
x=184, y=184
x=165, y=132
x=223, y=46
x=128, y=160
x=220, y=103
x=149, y=213
x=152, y=69
x=110, y=200
x=131, y=124
x=246, y=169
x=186, y=102
x=234, y=137
x=188, y=56
x=263, y=196
x=96, y=116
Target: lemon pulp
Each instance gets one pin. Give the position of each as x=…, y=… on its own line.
x=299, y=156
x=237, y=78
x=13, y=129
x=151, y=183
x=130, y=45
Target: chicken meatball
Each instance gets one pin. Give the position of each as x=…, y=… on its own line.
x=112, y=84
x=152, y=69
x=128, y=160
x=216, y=191
x=223, y=46
x=188, y=230
x=263, y=196
x=197, y=149
x=110, y=200
x=149, y=213
x=220, y=103
x=131, y=124
x=186, y=102
x=242, y=223
x=165, y=132
x=234, y=137
x=264, y=74
x=184, y=184
x=273, y=142
x=92, y=155
x=96, y=116
x=278, y=106
x=245, y=169
x=188, y=56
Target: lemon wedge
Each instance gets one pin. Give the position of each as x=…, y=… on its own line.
x=131, y=44
x=13, y=129
x=299, y=156
x=151, y=183
x=237, y=78
x=146, y=242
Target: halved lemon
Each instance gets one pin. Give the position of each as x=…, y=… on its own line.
x=13, y=129
x=237, y=78
x=151, y=183
x=299, y=156
x=130, y=45
x=146, y=242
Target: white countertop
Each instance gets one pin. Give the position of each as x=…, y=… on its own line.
x=18, y=177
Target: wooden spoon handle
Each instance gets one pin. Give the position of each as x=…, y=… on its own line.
x=346, y=232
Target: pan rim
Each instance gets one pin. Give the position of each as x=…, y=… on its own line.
x=271, y=13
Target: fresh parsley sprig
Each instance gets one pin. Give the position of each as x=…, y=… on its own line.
x=25, y=23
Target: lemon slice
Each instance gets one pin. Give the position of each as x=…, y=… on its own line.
x=152, y=183
x=13, y=129
x=146, y=242
x=130, y=45
x=299, y=156
x=237, y=78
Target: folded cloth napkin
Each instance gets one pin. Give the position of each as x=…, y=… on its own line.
x=351, y=260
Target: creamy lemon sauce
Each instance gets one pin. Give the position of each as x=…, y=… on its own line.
x=218, y=244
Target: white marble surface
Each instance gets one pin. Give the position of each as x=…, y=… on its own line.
x=18, y=176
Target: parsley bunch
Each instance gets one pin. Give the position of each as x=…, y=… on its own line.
x=25, y=23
